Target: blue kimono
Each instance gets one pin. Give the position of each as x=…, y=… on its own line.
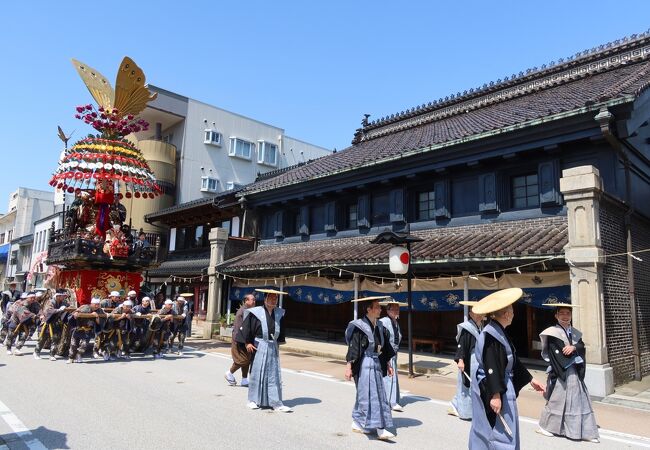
x=391, y=384
x=498, y=370
x=369, y=355
x=265, y=380
x=468, y=333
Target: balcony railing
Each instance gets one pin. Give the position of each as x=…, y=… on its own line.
x=74, y=251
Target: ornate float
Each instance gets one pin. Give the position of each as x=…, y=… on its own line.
x=95, y=252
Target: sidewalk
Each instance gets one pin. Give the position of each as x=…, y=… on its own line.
x=423, y=363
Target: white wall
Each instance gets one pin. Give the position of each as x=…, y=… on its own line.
x=215, y=160
x=30, y=205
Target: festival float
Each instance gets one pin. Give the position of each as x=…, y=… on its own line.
x=93, y=254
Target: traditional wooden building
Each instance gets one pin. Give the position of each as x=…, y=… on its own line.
x=184, y=266
x=527, y=181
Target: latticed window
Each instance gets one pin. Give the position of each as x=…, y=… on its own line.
x=426, y=205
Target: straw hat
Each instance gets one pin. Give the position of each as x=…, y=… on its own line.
x=393, y=302
x=468, y=303
x=369, y=299
x=498, y=300
x=561, y=304
x=271, y=291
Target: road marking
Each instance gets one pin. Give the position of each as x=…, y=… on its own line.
x=20, y=429
x=610, y=435
x=315, y=373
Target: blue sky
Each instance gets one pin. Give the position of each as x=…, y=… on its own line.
x=313, y=68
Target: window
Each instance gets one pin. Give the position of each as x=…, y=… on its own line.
x=2, y=238
x=267, y=153
x=525, y=191
x=426, y=205
x=464, y=196
x=199, y=236
x=231, y=186
x=292, y=218
x=380, y=209
x=317, y=219
x=209, y=184
x=10, y=235
x=192, y=237
x=240, y=148
x=268, y=225
x=350, y=216
x=212, y=137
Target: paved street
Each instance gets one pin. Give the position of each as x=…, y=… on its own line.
x=184, y=402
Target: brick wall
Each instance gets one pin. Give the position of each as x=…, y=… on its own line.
x=618, y=323
x=640, y=241
x=615, y=290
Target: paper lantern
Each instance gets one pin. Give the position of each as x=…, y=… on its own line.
x=398, y=260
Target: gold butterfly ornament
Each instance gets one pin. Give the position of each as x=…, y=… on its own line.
x=130, y=95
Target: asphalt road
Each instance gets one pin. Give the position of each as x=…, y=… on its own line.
x=184, y=402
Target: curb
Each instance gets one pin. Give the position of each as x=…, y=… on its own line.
x=402, y=368
x=626, y=401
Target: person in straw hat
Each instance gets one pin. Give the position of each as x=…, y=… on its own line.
x=467, y=333
x=179, y=328
x=261, y=333
x=368, y=361
x=241, y=359
x=568, y=410
x=498, y=376
x=391, y=323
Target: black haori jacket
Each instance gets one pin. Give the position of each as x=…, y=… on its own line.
x=554, y=339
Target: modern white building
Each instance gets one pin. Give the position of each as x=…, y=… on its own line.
x=218, y=150
x=201, y=154
x=6, y=235
x=41, y=238
x=25, y=206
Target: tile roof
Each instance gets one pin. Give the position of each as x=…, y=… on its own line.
x=188, y=267
x=521, y=239
x=189, y=205
x=610, y=74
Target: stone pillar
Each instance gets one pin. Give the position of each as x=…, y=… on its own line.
x=218, y=238
x=582, y=189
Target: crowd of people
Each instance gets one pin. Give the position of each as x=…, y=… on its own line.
x=490, y=375
x=116, y=326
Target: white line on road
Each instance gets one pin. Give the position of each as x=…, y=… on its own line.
x=316, y=373
x=610, y=435
x=20, y=429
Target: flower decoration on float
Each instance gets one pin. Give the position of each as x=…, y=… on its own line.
x=108, y=161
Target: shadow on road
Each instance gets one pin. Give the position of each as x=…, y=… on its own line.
x=408, y=399
x=301, y=401
x=405, y=422
x=49, y=438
